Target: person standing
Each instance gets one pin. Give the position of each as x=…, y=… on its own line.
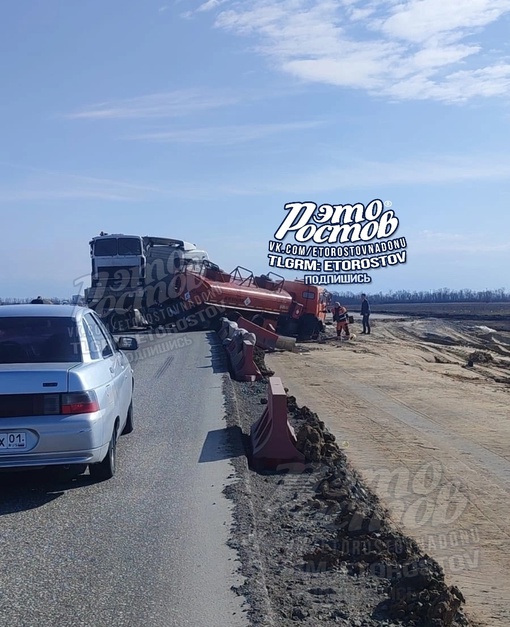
x=365, y=313
x=342, y=321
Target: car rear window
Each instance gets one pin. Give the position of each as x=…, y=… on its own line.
x=34, y=339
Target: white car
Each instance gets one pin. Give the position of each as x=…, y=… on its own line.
x=66, y=389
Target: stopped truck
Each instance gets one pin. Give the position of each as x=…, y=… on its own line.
x=132, y=273
x=153, y=281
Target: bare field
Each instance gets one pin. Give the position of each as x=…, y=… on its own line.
x=422, y=407
x=498, y=313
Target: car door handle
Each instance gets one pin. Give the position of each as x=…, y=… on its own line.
x=112, y=369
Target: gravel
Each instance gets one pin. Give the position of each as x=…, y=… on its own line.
x=316, y=546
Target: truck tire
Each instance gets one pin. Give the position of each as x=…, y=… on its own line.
x=113, y=322
x=308, y=328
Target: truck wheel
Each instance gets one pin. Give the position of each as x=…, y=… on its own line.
x=121, y=322
x=308, y=327
x=112, y=322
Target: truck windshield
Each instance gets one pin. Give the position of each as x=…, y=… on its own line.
x=129, y=246
x=105, y=247
x=112, y=246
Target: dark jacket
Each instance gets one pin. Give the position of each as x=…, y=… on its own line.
x=365, y=307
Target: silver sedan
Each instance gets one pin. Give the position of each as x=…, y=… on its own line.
x=66, y=389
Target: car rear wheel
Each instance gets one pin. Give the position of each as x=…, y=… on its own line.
x=130, y=425
x=106, y=469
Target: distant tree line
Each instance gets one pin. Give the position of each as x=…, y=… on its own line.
x=443, y=295
x=54, y=299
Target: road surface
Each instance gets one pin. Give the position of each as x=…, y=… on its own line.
x=149, y=546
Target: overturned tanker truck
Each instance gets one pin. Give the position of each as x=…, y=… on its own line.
x=149, y=281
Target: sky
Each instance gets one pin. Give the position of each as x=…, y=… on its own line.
x=202, y=119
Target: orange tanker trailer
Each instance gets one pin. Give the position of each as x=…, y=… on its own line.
x=289, y=307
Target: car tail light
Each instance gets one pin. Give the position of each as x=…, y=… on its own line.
x=18, y=405
x=79, y=403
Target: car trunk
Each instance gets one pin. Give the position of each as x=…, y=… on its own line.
x=34, y=378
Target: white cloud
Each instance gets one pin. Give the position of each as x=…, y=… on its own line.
x=421, y=49
x=421, y=20
x=162, y=105
x=223, y=135
x=210, y=4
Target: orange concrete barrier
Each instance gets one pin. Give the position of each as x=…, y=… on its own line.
x=273, y=441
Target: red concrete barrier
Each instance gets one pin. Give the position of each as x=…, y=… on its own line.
x=267, y=339
x=240, y=349
x=273, y=440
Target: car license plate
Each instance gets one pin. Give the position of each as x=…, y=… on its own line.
x=13, y=440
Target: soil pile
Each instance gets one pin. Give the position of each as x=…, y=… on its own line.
x=317, y=548
x=259, y=359
x=364, y=538
x=480, y=357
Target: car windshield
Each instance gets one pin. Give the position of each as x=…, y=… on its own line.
x=34, y=339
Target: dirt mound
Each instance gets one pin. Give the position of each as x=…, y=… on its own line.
x=313, y=438
x=418, y=591
x=480, y=357
x=260, y=361
x=364, y=538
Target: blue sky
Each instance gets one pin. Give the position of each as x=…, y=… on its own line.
x=201, y=119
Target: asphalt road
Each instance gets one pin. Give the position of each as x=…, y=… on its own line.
x=147, y=548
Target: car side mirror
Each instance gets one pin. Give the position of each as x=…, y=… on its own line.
x=127, y=343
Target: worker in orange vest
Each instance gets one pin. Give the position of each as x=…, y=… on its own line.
x=342, y=320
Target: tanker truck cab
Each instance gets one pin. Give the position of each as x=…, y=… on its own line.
x=309, y=307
